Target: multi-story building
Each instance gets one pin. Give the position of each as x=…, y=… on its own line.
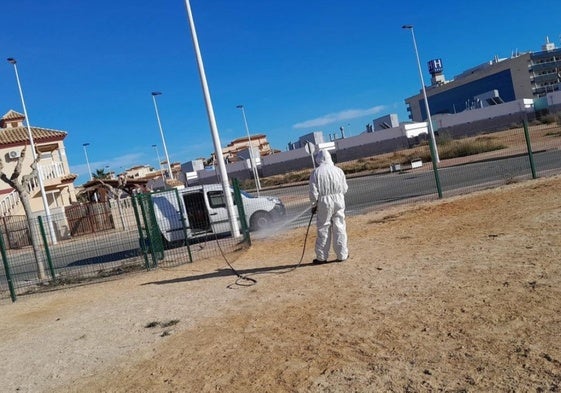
x=52, y=165
x=545, y=70
x=139, y=171
x=258, y=143
x=529, y=75
x=315, y=138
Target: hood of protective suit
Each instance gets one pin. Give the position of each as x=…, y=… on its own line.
x=323, y=157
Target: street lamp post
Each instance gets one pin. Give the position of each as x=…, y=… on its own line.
x=251, y=157
x=89, y=169
x=160, y=164
x=433, y=149
x=154, y=94
x=34, y=154
x=87, y=160
x=431, y=130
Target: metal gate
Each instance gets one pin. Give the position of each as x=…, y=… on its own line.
x=152, y=243
x=186, y=229
x=89, y=218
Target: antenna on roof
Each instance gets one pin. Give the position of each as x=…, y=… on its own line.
x=548, y=45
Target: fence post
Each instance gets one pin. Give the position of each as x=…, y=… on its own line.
x=7, y=268
x=143, y=246
x=46, y=245
x=154, y=237
x=183, y=221
x=241, y=211
x=529, y=147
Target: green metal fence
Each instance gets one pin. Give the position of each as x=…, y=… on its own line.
x=134, y=239
x=134, y=243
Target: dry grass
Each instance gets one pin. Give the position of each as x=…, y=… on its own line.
x=509, y=140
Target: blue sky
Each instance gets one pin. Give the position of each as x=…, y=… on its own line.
x=89, y=67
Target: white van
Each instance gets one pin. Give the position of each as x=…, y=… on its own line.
x=203, y=209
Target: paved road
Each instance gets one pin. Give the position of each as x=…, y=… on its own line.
x=377, y=190
x=76, y=254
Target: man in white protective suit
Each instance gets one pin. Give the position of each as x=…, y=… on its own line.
x=328, y=186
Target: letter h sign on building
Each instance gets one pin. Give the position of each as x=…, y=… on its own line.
x=435, y=66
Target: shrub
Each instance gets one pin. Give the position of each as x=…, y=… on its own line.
x=463, y=148
x=548, y=119
x=444, y=138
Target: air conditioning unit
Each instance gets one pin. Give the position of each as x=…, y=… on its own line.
x=13, y=154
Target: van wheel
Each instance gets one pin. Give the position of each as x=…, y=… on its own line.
x=260, y=220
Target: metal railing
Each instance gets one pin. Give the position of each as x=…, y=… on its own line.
x=53, y=170
x=10, y=202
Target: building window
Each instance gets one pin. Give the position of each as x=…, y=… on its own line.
x=47, y=156
x=52, y=199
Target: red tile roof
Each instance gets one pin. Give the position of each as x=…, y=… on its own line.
x=19, y=135
x=13, y=115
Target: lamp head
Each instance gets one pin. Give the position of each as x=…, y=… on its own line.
x=407, y=26
x=11, y=60
x=239, y=106
x=156, y=93
x=86, y=144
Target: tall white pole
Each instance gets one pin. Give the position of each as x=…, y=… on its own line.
x=160, y=164
x=431, y=130
x=251, y=157
x=213, y=127
x=87, y=160
x=89, y=169
x=34, y=153
x=154, y=94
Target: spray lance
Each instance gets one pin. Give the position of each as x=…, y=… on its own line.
x=313, y=211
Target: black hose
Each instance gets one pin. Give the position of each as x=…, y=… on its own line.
x=303, y=248
x=306, y=238
x=241, y=278
x=245, y=281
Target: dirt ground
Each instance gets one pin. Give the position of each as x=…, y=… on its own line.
x=461, y=294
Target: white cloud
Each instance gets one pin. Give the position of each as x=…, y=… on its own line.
x=331, y=118
x=126, y=161
x=117, y=164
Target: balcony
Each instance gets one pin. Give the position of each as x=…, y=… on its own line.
x=51, y=173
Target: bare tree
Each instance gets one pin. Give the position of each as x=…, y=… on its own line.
x=23, y=184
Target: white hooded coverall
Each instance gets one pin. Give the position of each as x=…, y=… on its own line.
x=328, y=186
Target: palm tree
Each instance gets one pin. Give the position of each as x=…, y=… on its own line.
x=100, y=174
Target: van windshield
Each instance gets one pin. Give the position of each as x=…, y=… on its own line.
x=244, y=193
x=247, y=194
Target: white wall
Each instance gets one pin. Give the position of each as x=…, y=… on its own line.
x=370, y=137
x=489, y=112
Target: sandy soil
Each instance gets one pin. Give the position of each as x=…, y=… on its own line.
x=457, y=295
